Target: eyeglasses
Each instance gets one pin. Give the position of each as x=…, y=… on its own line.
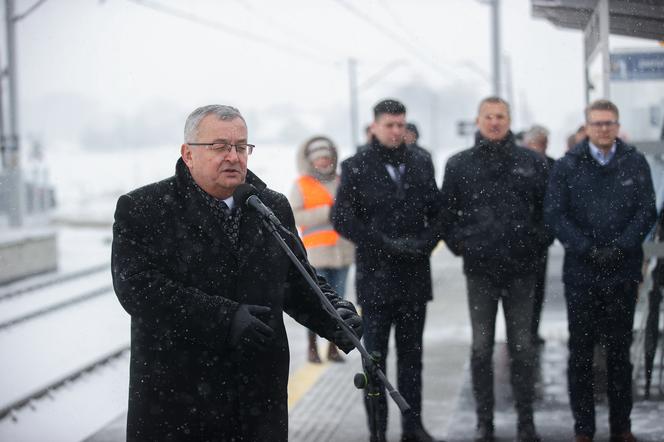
x=241, y=149
x=603, y=124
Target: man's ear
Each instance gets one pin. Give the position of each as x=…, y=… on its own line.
x=185, y=153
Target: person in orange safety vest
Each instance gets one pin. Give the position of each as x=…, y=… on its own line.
x=312, y=197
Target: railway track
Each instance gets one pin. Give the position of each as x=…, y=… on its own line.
x=64, y=339
x=10, y=409
x=35, y=283
x=43, y=297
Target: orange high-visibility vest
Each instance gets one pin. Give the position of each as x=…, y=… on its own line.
x=314, y=194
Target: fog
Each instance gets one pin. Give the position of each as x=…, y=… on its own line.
x=124, y=74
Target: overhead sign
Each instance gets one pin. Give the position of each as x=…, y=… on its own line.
x=634, y=66
x=466, y=127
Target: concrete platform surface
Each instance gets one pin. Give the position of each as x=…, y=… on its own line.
x=330, y=409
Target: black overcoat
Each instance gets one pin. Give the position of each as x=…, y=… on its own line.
x=370, y=206
x=177, y=275
x=589, y=205
x=493, y=197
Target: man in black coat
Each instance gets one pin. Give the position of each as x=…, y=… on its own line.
x=412, y=137
x=537, y=139
x=386, y=204
x=492, y=195
x=601, y=206
x=206, y=284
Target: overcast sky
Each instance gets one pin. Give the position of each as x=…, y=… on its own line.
x=129, y=64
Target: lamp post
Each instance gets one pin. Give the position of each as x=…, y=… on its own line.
x=495, y=44
x=352, y=76
x=11, y=140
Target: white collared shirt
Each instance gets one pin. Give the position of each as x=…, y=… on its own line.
x=230, y=202
x=395, y=173
x=599, y=155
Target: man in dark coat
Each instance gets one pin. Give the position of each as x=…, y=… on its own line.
x=386, y=204
x=492, y=195
x=412, y=138
x=205, y=285
x=601, y=206
x=537, y=139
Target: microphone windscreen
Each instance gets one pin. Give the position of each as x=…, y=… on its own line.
x=242, y=192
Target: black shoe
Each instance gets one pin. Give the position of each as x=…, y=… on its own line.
x=484, y=433
x=527, y=433
x=419, y=435
x=627, y=436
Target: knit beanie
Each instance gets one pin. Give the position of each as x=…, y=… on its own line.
x=317, y=149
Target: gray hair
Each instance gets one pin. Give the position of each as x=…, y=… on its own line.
x=494, y=100
x=222, y=112
x=534, y=133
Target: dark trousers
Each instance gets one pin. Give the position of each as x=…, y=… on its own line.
x=517, y=300
x=600, y=315
x=336, y=277
x=408, y=320
x=538, y=292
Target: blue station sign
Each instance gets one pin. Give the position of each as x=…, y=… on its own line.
x=634, y=66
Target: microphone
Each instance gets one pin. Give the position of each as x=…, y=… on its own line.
x=248, y=195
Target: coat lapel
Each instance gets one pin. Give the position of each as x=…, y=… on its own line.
x=252, y=234
x=207, y=223
x=382, y=175
x=198, y=212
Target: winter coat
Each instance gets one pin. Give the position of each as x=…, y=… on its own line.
x=335, y=256
x=492, y=197
x=178, y=276
x=589, y=205
x=370, y=207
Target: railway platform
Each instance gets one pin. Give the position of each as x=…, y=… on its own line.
x=90, y=404
x=325, y=406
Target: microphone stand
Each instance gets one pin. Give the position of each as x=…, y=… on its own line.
x=372, y=377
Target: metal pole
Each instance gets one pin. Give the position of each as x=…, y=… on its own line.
x=495, y=28
x=509, y=91
x=352, y=77
x=434, y=147
x=603, y=8
x=3, y=158
x=15, y=188
x=586, y=79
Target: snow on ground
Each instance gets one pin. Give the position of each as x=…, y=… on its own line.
x=75, y=410
x=59, y=343
x=18, y=306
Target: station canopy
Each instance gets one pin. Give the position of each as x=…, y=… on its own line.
x=633, y=18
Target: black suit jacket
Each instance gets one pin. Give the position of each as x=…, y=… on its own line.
x=370, y=207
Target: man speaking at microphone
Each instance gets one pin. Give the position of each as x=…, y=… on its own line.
x=206, y=284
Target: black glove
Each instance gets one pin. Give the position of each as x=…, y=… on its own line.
x=352, y=320
x=247, y=331
x=406, y=246
x=605, y=256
